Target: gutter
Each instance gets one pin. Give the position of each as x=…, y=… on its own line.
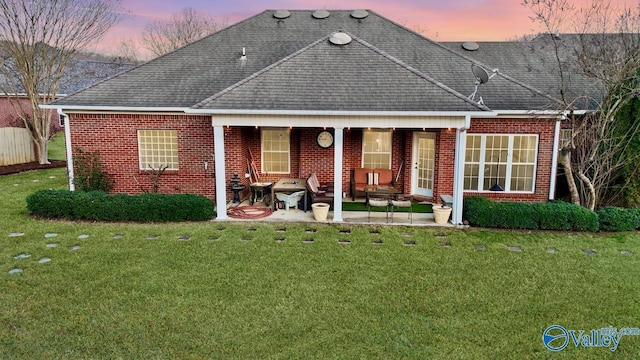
x=67, y=140
x=554, y=157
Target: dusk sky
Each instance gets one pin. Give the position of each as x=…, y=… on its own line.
x=448, y=20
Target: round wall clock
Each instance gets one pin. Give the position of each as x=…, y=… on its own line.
x=324, y=139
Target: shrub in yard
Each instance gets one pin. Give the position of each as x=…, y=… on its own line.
x=618, y=219
x=547, y=216
x=99, y=206
x=90, y=174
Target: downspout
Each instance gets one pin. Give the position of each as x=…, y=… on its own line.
x=458, y=172
x=554, y=158
x=67, y=141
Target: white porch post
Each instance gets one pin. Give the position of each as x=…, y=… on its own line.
x=337, y=173
x=67, y=140
x=458, y=172
x=554, y=161
x=221, y=187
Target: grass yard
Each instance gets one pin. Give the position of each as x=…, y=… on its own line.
x=56, y=147
x=241, y=291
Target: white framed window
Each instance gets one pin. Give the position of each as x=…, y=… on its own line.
x=157, y=149
x=276, y=154
x=506, y=162
x=376, y=148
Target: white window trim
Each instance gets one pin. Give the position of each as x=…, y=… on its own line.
x=509, y=163
x=262, y=151
x=390, y=145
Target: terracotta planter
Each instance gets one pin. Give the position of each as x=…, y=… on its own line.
x=320, y=211
x=441, y=214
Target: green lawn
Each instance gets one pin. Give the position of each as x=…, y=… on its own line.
x=219, y=296
x=56, y=147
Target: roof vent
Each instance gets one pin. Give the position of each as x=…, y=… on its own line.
x=320, y=14
x=359, y=14
x=281, y=14
x=470, y=46
x=340, y=38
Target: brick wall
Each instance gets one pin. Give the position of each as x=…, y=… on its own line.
x=115, y=137
x=545, y=128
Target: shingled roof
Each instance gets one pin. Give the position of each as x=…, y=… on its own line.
x=290, y=64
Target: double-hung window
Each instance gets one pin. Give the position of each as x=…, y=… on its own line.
x=158, y=149
x=500, y=162
x=275, y=151
x=376, y=149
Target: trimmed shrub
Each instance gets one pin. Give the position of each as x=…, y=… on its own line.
x=482, y=212
x=614, y=218
x=98, y=206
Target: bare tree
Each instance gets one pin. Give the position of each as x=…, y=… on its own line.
x=127, y=51
x=607, y=51
x=184, y=27
x=39, y=38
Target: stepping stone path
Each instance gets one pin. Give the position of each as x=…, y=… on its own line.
x=344, y=242
x=52, y=177
x=307, y=241
x=35, y=180
x=74, y=248
x=377, y=242
x=16, y=234
x=515, y=248
x=21, y=256
x=281, y=230
x=152, y=237
x=310, y=231
x=552, y=250
x=44, y=260
x=590, y=252
x=480, y=247
x=118, y=236
x=280, y=240
x=52, y=245
x=50, y=235
x=184, y=238
x=445, y=244
x=83, y=236
x=409, y=243
x=15, y=271
x=626, y=252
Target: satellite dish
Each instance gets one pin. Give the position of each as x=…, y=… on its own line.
x=481, y=75
x=320, y=14
x=339, y=38
x=281, y=14
x=359, y=14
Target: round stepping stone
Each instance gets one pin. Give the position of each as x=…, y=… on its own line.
x=626, y=252
x=480, y=247
x=280, y=240
x=407, y=235
x=246, y=238
x=52, y=177
x=281, y=230
x=377, y=242
x=310, y=231
x=83, y=236
x=345, y=232
x=74, y=248
x=515, y=248
x=214, y=238
x=590, y=251
x=16, y=234
x=16, y=184
x=15, y=271
x=552, y=250
x=44, y=260
x=184, y=238
x=445, y=244
x=50, y=235
x=344, y=242
x=410, y=243
x=440, y=235
x=307, y=241
x=35, y=180
x=21, y=256
x=52, y=245
x=152, y=237
x=118, y=236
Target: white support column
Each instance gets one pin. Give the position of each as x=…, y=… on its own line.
x=554, y=161
x=337, y=173
x=458, y=173
x=69, y=149
x=221, y=186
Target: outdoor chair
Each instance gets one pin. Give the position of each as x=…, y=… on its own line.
x=402, y=201
x=319, y=192
x=378, y=202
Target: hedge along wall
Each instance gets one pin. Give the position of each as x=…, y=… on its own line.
x=115, y=137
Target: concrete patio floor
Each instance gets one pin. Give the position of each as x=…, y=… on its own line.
x=353, y=217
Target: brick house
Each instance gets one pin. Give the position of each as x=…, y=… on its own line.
x=389, y=97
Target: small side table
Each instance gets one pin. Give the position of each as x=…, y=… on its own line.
x=261, y=191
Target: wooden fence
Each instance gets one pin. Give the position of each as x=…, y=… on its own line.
x=16, y=146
